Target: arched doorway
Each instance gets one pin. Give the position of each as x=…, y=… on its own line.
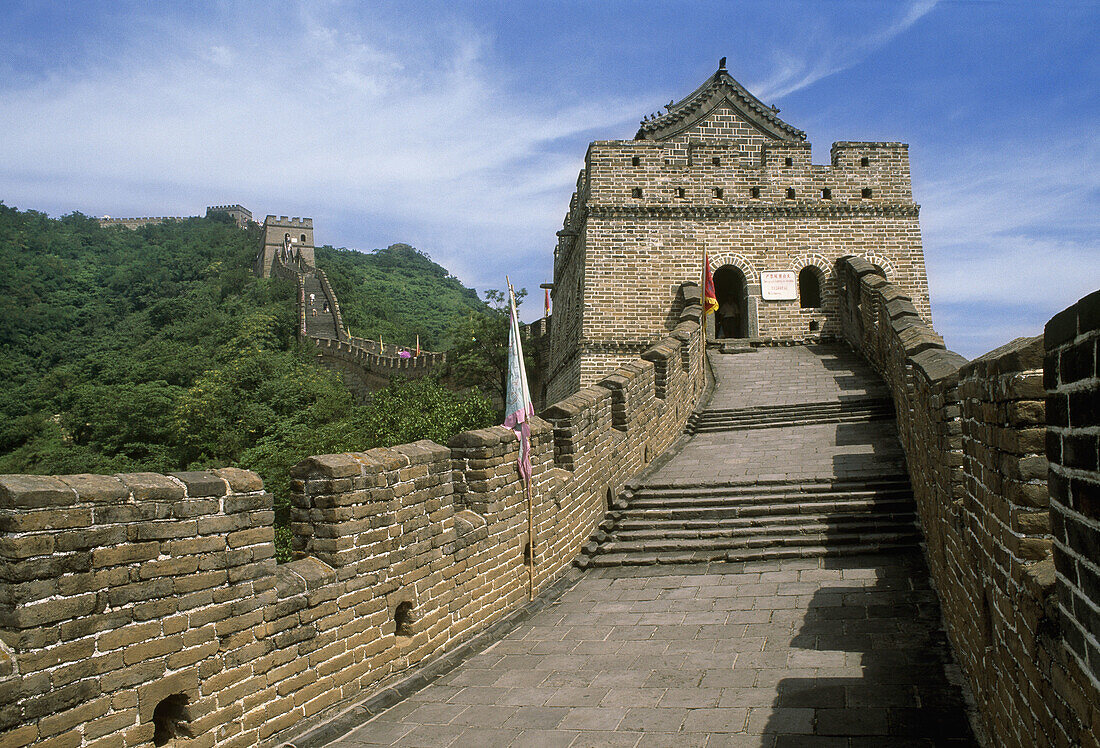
x=732, y=318
x=809, y=288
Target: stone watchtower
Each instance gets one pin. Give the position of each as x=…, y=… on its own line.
x=276, y=231
x=240, y=214
x=720, y=173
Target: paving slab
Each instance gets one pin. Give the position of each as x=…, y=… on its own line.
x=791, y=376
x=835, y=651
x=804, y=675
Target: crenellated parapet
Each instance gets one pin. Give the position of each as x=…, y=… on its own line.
x=137, y=223
x=774, y=175
x=128, y=593
x=148, y=608
x=239, y=213
x=292, y=236
x=977, y=436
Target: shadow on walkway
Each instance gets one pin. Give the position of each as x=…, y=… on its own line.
x=903, y=695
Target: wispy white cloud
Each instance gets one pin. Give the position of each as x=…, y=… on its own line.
x=429, y=133
x=1012, y=242
x=316, y=116
x=822, y=55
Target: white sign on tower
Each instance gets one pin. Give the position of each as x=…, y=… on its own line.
x=778, y=286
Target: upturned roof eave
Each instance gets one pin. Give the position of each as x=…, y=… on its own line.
x=741, y=100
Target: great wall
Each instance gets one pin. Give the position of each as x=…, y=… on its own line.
x=240, y=215
x=366, y=365
x=146, y=609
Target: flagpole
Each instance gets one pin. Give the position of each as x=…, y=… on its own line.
x=703, y=298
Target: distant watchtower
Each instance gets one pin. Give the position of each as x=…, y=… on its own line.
x=238, y=213
x=276, y=230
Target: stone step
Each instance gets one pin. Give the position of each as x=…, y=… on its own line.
x=735, y=537
x=713, y=510
x=852, y=402
x=899, y=478
x=725, y=500
x=715, y=515
x=710, y=427
x=719, y=497
x=773, y=411
x=823, y=412
x=717, y=423
x=745, y=554
x=765, y=416
x=629, y=528
x=764, y=537
x=324, y=324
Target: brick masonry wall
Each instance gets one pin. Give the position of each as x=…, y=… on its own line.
x=365, y=372
x=119, y=592
x=1072, y=346
x=364, y=365
x=973, y=434
x=275, y=230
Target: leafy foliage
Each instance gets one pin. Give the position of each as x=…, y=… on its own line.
x=479, y=355
x=157, y=350
x=398, y=293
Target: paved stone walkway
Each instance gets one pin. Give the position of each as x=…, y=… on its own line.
x=788, y=376
x=829, y=652
x=841, y=450
x=805, y=652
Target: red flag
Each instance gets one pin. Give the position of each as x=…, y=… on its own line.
x=710, y=299
x=547, y=307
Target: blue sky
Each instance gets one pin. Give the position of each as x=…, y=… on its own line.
x=460, y=127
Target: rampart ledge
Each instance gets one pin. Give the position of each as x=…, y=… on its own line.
x=977, y=435
x=133, y=604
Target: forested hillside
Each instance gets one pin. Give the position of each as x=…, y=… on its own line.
x=157, y=350
x=399, y=293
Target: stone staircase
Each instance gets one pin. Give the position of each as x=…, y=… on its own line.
x=676, y=524
x=770, y=416
x=792, y=506
x=319, y=323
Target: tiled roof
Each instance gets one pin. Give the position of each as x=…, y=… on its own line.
x=696, y=105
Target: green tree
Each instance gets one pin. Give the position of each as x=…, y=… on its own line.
x=479, y=356
x=157, y=349
x=398, y=293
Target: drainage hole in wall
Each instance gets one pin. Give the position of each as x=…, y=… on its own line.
x=171, y=719
x=403, y=619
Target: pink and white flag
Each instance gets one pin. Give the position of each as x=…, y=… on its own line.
x=517, y=406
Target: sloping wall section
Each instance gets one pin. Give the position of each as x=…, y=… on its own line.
x=148, y=609
x=365, y=365
x=976, y=440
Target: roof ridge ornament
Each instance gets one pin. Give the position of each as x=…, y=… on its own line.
x=722, y=64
